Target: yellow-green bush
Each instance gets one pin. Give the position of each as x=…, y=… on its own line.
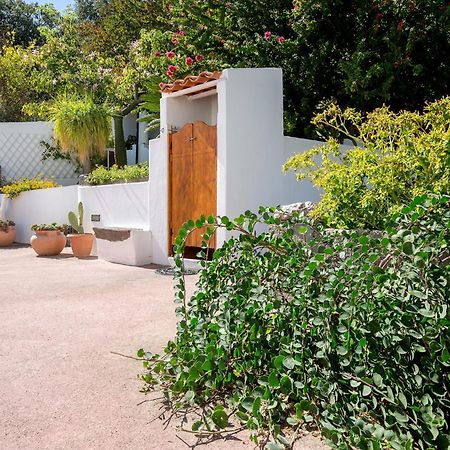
x=26, y=184
x=398, y=157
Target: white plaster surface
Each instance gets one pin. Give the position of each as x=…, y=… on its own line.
x=251, y=148
x=134, y=251
x=40, y=206
x=119, y=205
x=158, y=197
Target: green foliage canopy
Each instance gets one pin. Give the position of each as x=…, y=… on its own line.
x=80, y=126
x=347, y=331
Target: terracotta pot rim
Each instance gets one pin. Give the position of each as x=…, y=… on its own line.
x=79, y=235
x=47, y=231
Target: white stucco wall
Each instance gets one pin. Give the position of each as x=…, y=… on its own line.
x=298, y=191
x=251, y=148
x=40, y=206
x=158, y=198
x=119, y=205
x=21, y=153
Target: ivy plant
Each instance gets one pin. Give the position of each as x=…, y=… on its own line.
x=348, y=332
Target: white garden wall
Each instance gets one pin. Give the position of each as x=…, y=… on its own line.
x=40, y=206
x=118, y=205
x=21, y=153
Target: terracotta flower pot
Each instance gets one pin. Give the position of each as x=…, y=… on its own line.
x=48, y=243
x=81, y=244
x=7, y=237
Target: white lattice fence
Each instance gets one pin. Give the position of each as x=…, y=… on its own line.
x=21, y=153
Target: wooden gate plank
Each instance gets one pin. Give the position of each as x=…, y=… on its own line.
x=193, y=178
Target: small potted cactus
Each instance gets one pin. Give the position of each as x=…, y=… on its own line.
x=7, y=233
x=80, y=241
x=49, y=239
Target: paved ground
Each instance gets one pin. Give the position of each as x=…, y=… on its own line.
x=60, y=385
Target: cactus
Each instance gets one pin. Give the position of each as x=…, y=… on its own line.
x=77, y=222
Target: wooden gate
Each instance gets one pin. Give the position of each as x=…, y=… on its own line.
x=192, y=179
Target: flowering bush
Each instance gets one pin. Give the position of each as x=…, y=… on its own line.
x=398, y=157
x=14, y=189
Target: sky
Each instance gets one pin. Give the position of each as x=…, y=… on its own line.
x=59, y=4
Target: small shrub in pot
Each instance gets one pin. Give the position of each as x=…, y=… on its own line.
x=49, y=239
x=7, y=233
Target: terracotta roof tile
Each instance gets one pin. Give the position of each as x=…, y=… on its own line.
x=190, y=81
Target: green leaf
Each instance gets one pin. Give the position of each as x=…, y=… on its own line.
x=366, y=390
x=292, y=421
x=377, y=379
x=220, y=418
x=408, y=248
x=289, y=362
x=274, y=446
x=274, y=382
x=189, y=396
x=256, y=406
x=247, y=403
x=403, y=400
x=278, y=362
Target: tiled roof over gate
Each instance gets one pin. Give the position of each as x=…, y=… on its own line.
x=190, y=81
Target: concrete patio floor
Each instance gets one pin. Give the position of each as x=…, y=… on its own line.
x=60, y=385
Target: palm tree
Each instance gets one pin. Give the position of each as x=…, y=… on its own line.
x=81, y=127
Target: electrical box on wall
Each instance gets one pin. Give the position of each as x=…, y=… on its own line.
x=95, y=217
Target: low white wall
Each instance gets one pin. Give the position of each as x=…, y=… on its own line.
x=40, y=206
x=298, y=191
x=21, y=153
x=118, y=205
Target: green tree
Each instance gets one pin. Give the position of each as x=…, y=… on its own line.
x=17, y=71
x=22, y=20
x=361, y=54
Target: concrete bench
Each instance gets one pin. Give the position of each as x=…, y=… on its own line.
x=129, y=246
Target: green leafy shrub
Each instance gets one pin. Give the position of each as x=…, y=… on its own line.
x=399, y=156
x=352, y=334
x=48, y=227
x=81, y=127
x=13, y=190
x=116, y=174
x=5, y=224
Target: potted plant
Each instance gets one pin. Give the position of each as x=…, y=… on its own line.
x=49, y=239
x=7, y=233
x=80, y=241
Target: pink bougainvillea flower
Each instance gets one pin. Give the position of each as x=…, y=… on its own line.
x=170, y=74
x=172, y=68
x=170, y=54
x=401, y=25
x=379, y=16
x=267, y=35
x=157, y=53
x=199, y=58
x=189, y=61
x=161, y=85
x=281, y=39
x=180, y=33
